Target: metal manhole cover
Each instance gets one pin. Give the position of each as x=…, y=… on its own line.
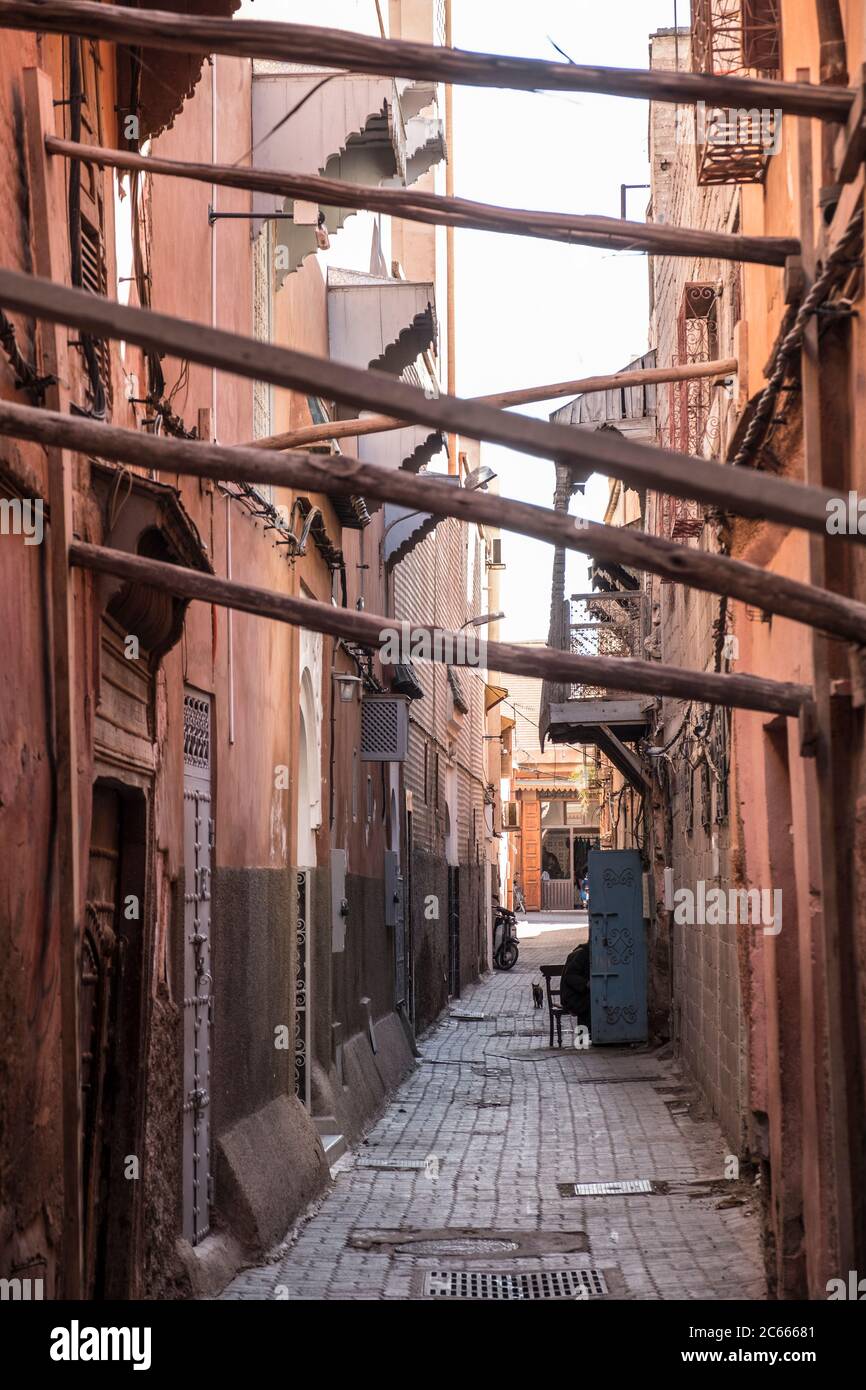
x=409, y=1165
x=606, y=1189
x=509, y=1285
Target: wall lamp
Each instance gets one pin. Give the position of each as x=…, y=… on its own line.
x=346, y=685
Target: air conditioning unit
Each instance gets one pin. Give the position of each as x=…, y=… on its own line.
x=384, y=729
x=511, y=815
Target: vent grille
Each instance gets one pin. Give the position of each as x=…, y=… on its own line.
x=400, y=1165
x=507, y=1286
x=196, y=731
x=612, y=1189
x=384, y=729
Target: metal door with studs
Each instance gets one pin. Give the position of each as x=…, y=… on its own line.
x=617, y=947
x=198, y=994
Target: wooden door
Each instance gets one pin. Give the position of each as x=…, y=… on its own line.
x=530, y=847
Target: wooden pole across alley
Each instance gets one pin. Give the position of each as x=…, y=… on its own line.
x=307, y=435
x=372, y=629
x=744, y=491
x=335, y=48
x=833, y=613
x=610, y=233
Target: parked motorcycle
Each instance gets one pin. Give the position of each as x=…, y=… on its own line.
x=505, y=948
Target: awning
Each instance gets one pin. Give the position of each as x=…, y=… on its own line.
x=425, y=145
x=404, y=528
x=570, y=791
x=630, y=409
x=164, y=79
x=377, y=322
x=351, y=128
x=461, y=704
x=493, y=695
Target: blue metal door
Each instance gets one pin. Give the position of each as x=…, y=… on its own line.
x=617, y=947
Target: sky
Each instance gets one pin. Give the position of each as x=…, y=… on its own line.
x=531, y=311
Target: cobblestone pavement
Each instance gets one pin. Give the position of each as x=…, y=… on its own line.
x=500, y=1121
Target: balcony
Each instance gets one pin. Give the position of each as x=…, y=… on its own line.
x=608, y=624
x=739, y=38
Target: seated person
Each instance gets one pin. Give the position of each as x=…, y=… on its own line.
x=574, y=984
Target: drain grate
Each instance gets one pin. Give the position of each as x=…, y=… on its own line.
x=408, y=1165
x=608, y=1189
x=467, y=1015
x=509, y=1285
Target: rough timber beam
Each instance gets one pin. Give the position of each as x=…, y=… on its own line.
x=336, y=48
x=740, y=490
x=372, y=629
x=610, y=233
x=834, y=613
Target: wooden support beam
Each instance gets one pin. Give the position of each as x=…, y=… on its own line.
x=48, y=213
x=821, y=797
x=335, y=48
x=834, y=613
x=609, y=233
x=372, y=629
x=850, y=145
x=308, y=435
x=623, y=758
x=740, y=490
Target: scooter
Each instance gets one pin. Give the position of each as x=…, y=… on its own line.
x=505, y=947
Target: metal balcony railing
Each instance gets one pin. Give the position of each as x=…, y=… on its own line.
x=596, y=624
x=741, y=38
x=609, y=624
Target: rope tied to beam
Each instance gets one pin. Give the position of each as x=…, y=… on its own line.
x=848, y=251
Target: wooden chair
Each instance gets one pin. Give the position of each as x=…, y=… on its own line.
x=554, y=1007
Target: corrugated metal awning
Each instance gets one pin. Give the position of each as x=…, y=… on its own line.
x=375, y=322
x=351, y=128
x=631, y=409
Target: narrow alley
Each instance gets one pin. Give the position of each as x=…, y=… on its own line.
x=433, y=680
x=467, y=1171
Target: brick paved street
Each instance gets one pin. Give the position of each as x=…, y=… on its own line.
x=505, y=1121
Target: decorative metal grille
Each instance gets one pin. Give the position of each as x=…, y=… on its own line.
x=302, y=1010
x=605, y=625
x=735, y=37
x=262, y=313
x=196, y=731
x=692, y=420
x=198, y=991
x=575, y=1284
x=385, y=730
